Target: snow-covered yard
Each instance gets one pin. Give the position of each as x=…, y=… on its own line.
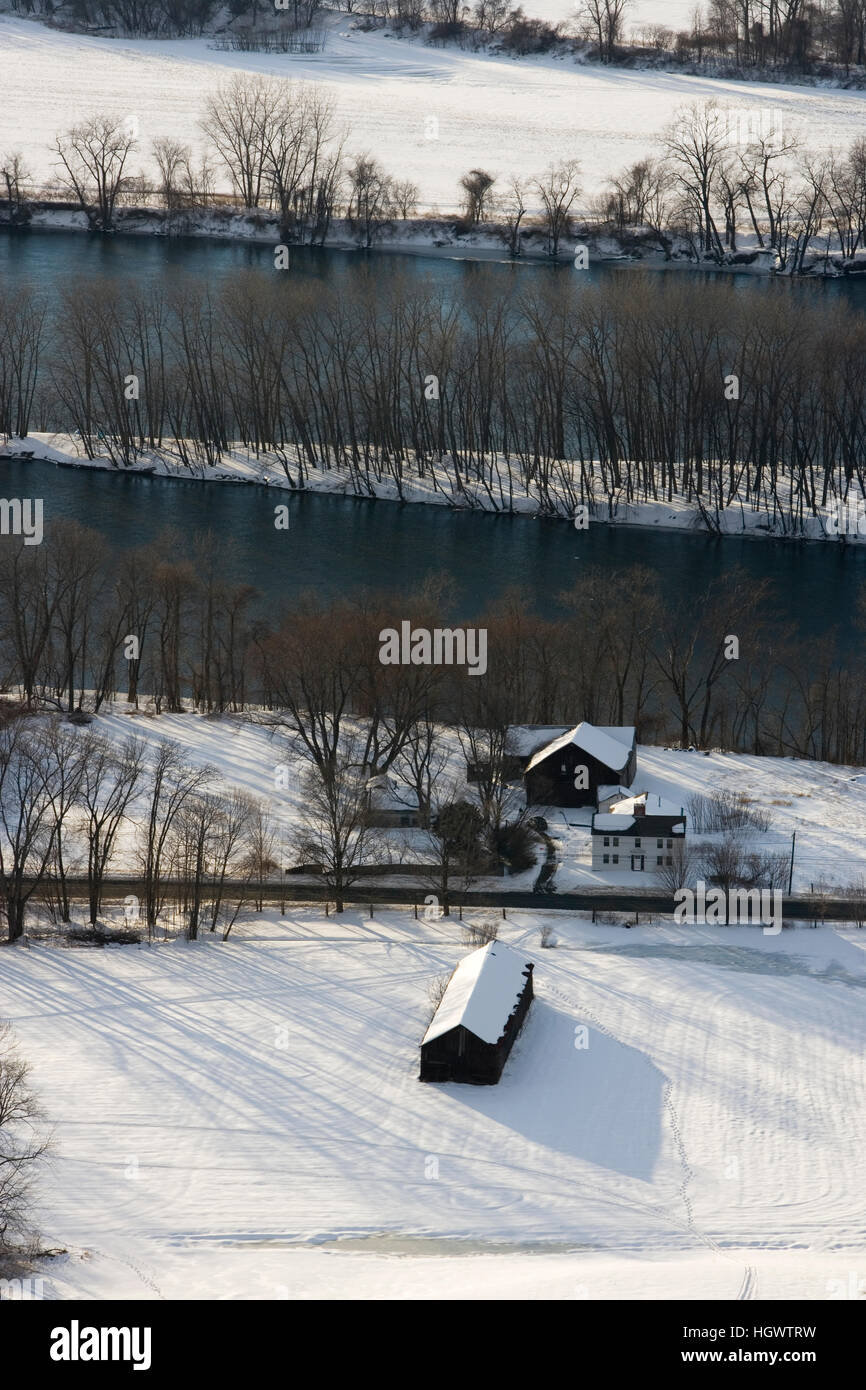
x=513, y=116
x=824, y=804
x=243, y=1119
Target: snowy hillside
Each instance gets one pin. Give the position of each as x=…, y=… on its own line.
x=243, y=1120
x=511, y=116
x=824, y=804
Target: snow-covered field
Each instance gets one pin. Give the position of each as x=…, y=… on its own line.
x=511, y=116
x=243, y=1119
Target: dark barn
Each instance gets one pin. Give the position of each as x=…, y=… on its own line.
x=481, y=1013
x=570, y=770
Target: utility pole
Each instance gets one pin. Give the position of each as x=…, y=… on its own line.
x=791, y=871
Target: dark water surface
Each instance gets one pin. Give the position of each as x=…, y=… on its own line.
x=337, y=544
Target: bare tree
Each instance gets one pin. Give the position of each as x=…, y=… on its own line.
x=405, y=195
x=604, y=20
x=511, y=208
x=421, y=762
x=22, y=1144
x=93, y=155
x=370, y=198
x=557, y=190
x=14, y=174
x=262, y=849
x=333, y=830
x=236, y=825
x=476, y=187
x=684, y=868
x=238, y=121
x=172, y=159
x=110, y=780
x=171, y=783
x=27, y=825
x=696, y=143
x=65, y=759
x=302, y=158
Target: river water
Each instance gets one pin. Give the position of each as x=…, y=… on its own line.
x=337, y=544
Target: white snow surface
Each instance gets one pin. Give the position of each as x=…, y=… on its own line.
x=512, y=116
x=482, y=993
x=244, y=1119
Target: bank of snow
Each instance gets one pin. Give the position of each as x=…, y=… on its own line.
x=437, y=488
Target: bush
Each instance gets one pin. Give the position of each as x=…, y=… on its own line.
x=515, y=844
x=481, y=933
x=524, y=36
x=730, y=865
x=447, y=31
x=723, y=810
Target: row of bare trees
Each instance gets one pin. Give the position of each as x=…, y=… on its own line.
x=795, y=35
x=80, y=627
x=722, y=174
x=571, y=393
x=76, y=804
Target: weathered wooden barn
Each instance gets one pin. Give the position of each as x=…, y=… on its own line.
x=570, y=770
x=480, y=1015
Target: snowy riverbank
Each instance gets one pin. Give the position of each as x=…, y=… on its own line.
x=240, y=466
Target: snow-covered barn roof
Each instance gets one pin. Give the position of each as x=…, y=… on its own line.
x=526, y=739
x=482, y=993
x=596, y=742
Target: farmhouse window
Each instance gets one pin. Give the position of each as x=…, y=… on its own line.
x=616, y=859
x=670, y=859
x=607, y=840
x=659, y=845
x=637, y=842
x=606, y=859
x=670, y=844
x=660, y=857
x=616, y=839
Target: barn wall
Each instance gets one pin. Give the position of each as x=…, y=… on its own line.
x=478, y=1063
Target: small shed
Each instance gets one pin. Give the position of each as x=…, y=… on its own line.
x=389, y=805
x=480, y=1015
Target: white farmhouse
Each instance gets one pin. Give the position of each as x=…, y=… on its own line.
x=638, y=833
